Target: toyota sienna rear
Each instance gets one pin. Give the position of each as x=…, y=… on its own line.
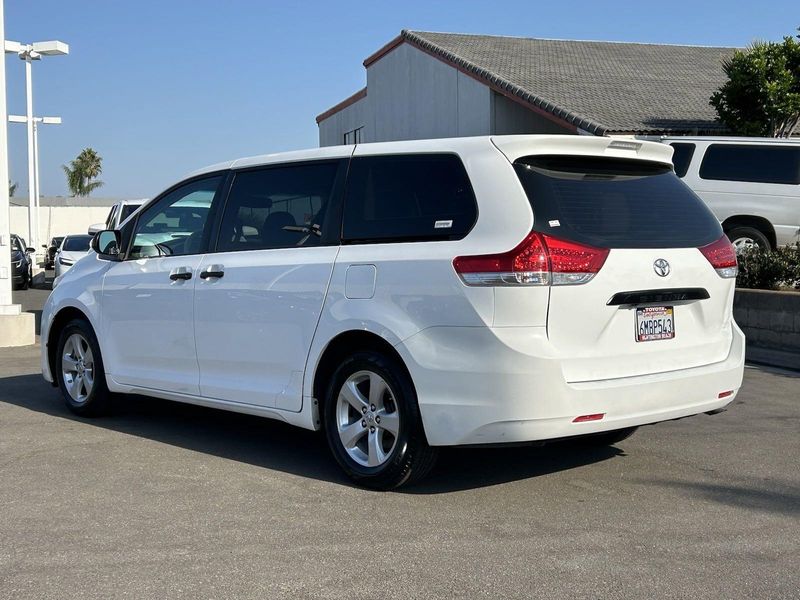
x=405, y=296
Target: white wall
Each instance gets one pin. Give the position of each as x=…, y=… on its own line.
x=58, y=220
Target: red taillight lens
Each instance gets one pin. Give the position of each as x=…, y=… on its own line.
x=538, y=260
x=722, y=257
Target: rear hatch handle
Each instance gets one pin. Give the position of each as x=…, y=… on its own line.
x=658, y=296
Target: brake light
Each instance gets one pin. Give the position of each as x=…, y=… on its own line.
x=587, y=418
x=538, y=260
x=722, y=257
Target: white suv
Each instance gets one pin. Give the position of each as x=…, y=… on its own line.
x=752, y=185
x=409, y=295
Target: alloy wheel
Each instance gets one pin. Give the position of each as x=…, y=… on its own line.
x=77, y=368
x=367, y=418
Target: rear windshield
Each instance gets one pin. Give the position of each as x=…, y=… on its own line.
x=612, y=203
x=77, y=243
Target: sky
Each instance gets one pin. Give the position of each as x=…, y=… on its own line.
x=161, y=88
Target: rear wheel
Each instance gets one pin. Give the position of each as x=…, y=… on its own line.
x=744, y=238
x=608, y=438
x=79, y=370
x=373, y=425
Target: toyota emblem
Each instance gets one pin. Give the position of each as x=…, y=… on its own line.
x=661, y=267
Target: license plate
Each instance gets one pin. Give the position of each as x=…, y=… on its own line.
x=655, y=323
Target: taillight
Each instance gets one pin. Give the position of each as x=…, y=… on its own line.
x=722, y=257
x=538, y=260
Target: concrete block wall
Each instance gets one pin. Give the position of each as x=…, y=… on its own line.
x=771, y=322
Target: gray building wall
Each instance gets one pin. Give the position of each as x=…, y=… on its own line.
x=412, y=95
x=510, y=117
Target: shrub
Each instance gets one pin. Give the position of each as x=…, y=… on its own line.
x=775, y=270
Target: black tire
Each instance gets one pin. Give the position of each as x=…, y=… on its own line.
x=98, y=400
x=751, y=233
x=608, y=438
x=26, y=283
x=411, y=458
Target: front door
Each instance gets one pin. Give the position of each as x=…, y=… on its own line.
x=148, y=298
x=259, y=296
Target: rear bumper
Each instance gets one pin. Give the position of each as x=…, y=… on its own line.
x=480, y=385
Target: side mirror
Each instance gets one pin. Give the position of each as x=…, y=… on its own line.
x=107, y=244
x=96, y=228
x=44, y=246
x=30, y=250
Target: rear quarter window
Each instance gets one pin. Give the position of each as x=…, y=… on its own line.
x=756, y=163
x=612, y=203
x=682, y=157
x=408, y=198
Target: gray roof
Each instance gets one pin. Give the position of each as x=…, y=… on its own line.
x=601, y=87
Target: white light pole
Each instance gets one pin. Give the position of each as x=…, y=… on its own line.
x=6, y=309
x=29, y=53
x=17, y=328
x=36, y=191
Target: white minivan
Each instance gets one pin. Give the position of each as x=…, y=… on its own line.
x=752, y=185
x=405, y=296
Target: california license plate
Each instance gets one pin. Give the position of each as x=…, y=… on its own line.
x=655, y=323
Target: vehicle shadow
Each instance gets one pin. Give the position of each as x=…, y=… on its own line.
x=275, y=445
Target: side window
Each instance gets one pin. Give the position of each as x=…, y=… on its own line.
x=176, y=224
x=285, y=206
x=682, y=157
x=408, y=197
x=759, y=163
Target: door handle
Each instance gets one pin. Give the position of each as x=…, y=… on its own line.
x=213, y=271
x=180, y=274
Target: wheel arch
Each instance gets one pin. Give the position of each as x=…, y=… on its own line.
x=60, y=320
x=760, y=223
x=341, y=346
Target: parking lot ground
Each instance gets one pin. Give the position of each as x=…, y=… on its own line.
x=163, y=500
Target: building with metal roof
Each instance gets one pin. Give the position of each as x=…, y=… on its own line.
x=428, y=85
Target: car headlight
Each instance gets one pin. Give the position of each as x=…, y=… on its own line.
x=66, y=262
x=16, y=264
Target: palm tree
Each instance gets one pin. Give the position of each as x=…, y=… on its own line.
x=87, y=166
x=12, y=187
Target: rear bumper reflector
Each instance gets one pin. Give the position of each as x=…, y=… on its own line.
x=585, y=418
x=725, y=394
x=658, y=296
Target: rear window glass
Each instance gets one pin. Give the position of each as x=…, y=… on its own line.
x=408, y=197
x=682, y=157
x=612, y=203
x=758, y=163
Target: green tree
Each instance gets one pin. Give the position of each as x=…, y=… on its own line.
x=762, y=94
x=82, y=171
x=12, y=187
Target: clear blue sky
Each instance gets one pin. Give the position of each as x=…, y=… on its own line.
x=160, y=88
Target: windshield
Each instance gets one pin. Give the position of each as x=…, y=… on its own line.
x=76, y=243
x=613, y=203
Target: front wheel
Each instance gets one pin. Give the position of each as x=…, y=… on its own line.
x=372, y=423
x=79, y=369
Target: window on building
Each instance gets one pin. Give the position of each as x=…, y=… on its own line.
x=353, y=136
x=682, y=157
x=408, y=197
x=759, y=163
x=278, y=207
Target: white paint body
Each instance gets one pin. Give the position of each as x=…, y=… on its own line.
x=490, y=364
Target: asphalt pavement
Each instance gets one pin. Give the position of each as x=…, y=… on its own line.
x=163, y=500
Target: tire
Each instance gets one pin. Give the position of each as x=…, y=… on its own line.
x=382, y=455
x=745, y=237
x=78, y=347
x=26, y=283
x=608, y=438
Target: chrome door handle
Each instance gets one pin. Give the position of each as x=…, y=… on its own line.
x=213, y=271
x=180, y=274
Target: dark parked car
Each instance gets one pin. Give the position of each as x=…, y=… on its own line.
x=21, y=263
x=50, y=252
